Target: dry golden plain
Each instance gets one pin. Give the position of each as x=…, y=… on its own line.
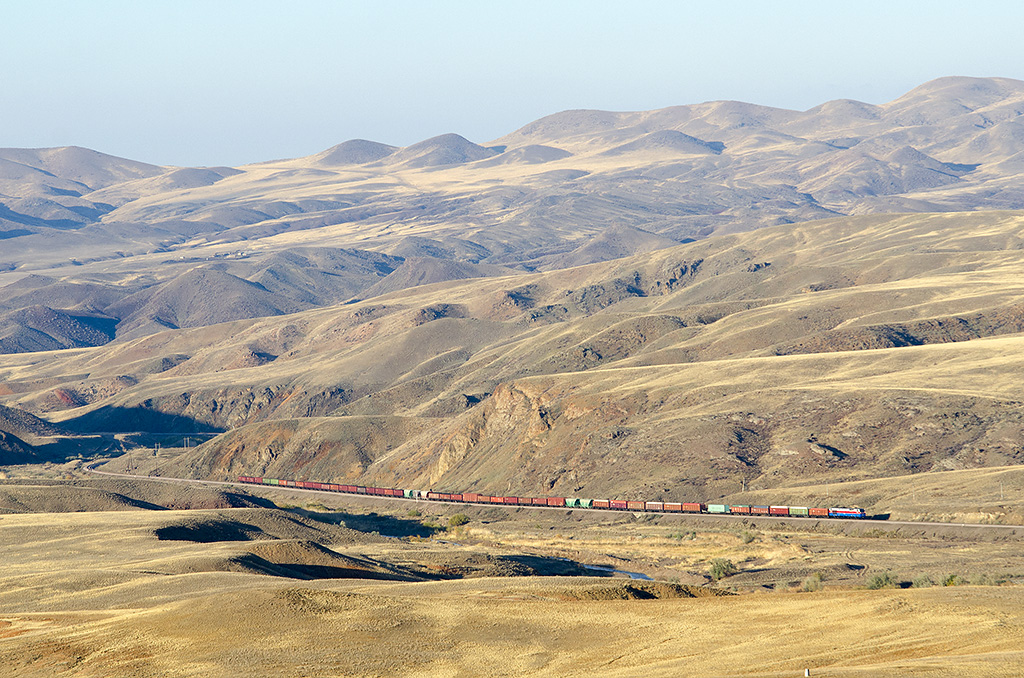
x=133, y=593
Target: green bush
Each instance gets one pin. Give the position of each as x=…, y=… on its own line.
x=923, y=582
x=721, y=568
x=747, y=536
x=953, y=580
x=458, y=519
x=413, y=513
x=885, y=580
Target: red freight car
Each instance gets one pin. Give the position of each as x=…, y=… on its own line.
x=739, y=509
x=778, y=510
x=634, y=506
x=818, y=512
x=759, y=510
x=539, y=501
x=692, y=507
x=470, y=497
x=618, y=504
x=673, y=506
x=602, y=504
x=556, y=501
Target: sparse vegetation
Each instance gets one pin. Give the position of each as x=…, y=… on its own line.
x=883, y=580
x=413, y=513
x=747, y=537
x=815, y=582
x=953, y=580
x=721, y=568
x=922, y=582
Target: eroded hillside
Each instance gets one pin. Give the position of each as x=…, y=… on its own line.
x=847, y=348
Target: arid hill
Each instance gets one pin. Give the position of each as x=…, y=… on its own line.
x=194, y=246
x=840, y=349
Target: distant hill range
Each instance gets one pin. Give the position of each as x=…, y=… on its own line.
x=127, y=248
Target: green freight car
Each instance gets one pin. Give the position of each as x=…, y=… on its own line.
x=718, y=508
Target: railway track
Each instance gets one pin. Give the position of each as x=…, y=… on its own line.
x=91, y=467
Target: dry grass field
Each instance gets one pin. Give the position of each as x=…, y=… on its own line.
x=299, y=592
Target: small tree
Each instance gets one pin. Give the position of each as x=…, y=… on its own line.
x=721, y=568
x=458, y=519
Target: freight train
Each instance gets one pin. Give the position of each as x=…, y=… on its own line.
x=568, y=502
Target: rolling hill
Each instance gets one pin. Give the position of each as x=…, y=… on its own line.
x=840, y=349
x=669, y=303
x=532, y=200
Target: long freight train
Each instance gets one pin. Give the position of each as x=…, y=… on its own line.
x=568, y=502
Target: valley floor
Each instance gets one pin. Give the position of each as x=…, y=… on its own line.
x=278, y=589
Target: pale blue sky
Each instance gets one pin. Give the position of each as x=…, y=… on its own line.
x=211, y=82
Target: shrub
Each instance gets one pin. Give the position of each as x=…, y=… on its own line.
x=953, y=580
x=458, y=519
x=721, y=568
x=413, y=513
x=885, y=580
x=923, y=582
x=813, y=583
x=747, y=536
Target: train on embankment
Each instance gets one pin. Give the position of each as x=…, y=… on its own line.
x=567, y=502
